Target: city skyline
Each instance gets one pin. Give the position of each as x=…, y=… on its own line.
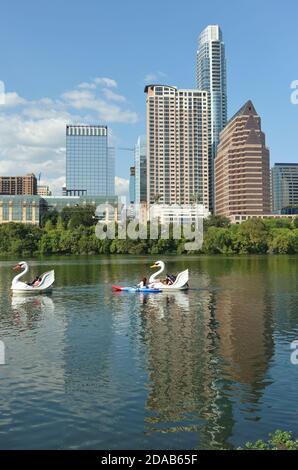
x=105, y=90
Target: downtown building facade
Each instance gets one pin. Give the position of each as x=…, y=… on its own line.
x=242, y=167
x=90, y=162
x=140, y=171
x=18, y=185
x=284, y=187
x=43, y=191
x=211, y=76
x=132, y=185
x=177, y=145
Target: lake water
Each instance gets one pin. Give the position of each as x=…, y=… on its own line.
x=87, y=368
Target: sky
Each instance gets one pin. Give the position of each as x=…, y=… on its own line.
x=88, y=62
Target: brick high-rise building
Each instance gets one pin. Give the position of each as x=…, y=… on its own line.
x=177, y=145
x=18, y=185
x=242, y=167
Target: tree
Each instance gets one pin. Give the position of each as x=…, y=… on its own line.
x=252, y=237
x=51, y=215
x=217, y=221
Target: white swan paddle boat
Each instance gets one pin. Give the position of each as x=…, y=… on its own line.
x=180, y=283
x=44, y=284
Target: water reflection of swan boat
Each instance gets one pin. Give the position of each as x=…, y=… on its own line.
x=180, y=283
x=167, y=304
x=44, y=284
x=28, y=303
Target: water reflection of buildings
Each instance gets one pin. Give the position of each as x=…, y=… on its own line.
x=245, y=326
x=198, y=348
x=180, y=331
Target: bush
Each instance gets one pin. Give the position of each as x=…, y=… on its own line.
x=280, y=440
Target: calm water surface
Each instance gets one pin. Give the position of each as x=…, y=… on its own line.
x=90, y=369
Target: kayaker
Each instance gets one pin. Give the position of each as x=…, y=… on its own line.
x=36, y=281
x=143, y=283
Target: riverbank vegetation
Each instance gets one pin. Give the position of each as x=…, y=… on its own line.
x=73, y=232
x=280, y=440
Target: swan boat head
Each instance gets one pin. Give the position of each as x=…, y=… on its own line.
x=20, y=265
x=156, y=265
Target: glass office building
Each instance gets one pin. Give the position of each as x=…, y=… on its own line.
x=284, y=187
x=90, y=163
x=140, y=171
x=21, y=209
x=211, y=76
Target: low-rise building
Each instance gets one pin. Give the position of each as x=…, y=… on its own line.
x=239, y=218
x=21, y=209
x=29, y=209
x=176, y=213
x=43, y=191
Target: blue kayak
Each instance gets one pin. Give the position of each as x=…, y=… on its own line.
x=145, y=290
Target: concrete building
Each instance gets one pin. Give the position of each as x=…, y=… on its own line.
x=18, y=185
x=43, y=190
x=284, y=186
x=141, y=171
x=212, y=76
x=132, y=185
x=242, y=168
x=239, y=218
x=179, y=214
x=177, y=145
x=90, y=163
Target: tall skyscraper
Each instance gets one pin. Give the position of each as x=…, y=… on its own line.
x=284, y=184
x=90, y=163
x=132, y=185
x=177, y=145
x=18, y=185
x=141, y=171
x=211, y=76
x=242, y=167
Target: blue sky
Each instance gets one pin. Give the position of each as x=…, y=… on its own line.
x=52, y=52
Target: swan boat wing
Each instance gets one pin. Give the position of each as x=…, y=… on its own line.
x=181, y=282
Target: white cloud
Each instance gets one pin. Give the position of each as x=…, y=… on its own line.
x=12, y=99
x=32, y=132
x=109, y=82
x=90, y=86
x=106, y=111
x=121, y=186
x=111, y=95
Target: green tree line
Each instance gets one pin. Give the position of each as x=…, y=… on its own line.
x=73, y=232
